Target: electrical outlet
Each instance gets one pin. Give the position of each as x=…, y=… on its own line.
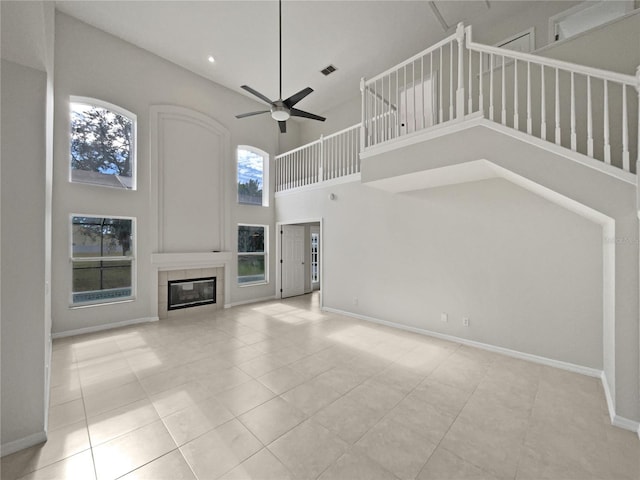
x=444, y=317
x=465, y=321
x=355, y=300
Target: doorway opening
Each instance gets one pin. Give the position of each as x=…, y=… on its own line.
x=300, y=258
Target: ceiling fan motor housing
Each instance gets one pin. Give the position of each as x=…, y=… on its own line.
x=279, y=111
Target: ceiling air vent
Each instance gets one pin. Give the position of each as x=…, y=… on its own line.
x=328, y=70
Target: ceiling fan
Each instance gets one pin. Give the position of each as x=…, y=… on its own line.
x=280, y=109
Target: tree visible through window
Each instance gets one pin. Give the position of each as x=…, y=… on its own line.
x=252, y=256
x=250, y=177
x=102, y=145
x=102, y=259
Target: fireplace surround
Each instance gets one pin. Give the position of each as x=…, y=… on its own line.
x=170, y=267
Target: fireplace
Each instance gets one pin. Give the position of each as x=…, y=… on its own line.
x=191, y=292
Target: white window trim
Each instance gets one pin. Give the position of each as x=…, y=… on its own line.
x=134, y=137
x=132, y=257
x=265, y=253
x=265, y=173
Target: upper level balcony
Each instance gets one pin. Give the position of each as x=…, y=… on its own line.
x=588, y=114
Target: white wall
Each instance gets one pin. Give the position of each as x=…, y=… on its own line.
x=23, y=202
x=594, y=48
x=343, y=116
x=27, y=160
x=92, y=63
x=527, y=272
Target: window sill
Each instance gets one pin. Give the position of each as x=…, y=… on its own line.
x=252, y=284
x=76, y=306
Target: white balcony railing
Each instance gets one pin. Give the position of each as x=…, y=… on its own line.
x=587, y=110
x=423, y=91
x=330, y=157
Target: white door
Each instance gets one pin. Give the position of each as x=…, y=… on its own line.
x=292, y=260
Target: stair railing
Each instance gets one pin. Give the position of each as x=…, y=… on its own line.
x=589, y=110
x=425, y=90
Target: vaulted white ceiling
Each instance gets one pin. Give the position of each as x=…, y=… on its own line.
x=361, y=38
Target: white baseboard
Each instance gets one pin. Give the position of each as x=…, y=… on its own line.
x=47, y=384
x=616, y=420
x=22, y=443
x=107, y=326
x=591, y=372
x=253, y=300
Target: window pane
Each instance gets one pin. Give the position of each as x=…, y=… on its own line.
x=250, y=175
x=101, y=143
x=250, y=239
x=101, y=280
x=101, y=237
x=251, y=268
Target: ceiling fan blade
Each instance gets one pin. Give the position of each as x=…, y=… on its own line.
x=283, y=127
x=242, y=115
x=301, y=113
x=256, y=93
x=295, y=98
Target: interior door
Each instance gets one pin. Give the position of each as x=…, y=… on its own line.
x=292, y=260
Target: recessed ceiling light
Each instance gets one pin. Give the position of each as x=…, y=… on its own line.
x=211, y=59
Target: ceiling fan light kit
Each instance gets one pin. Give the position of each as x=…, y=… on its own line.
x=281, y=110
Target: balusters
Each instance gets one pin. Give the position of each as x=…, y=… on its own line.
x=557, y=117
x=470, y=96
x=625, y=131
x=451, y=81
x=491, y=86
x=433, y=105
x=440, y=98
x=529, y=120
x=424, y=123
x=481, y=75
x=516, y=122
x=503, y=113
x=543, y=106
x=607, y=144
x=397, y=104
x=589, y=119
x=390, y=125
x=574, y=137
x=413, y=90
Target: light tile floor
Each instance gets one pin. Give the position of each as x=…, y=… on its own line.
x=280, y=390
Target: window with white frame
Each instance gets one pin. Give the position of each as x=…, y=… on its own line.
x=252, y=254
x=102, y=144
x=102, y=258
x=252, y=176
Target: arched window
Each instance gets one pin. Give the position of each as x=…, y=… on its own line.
x=253, y=179
x=102, y=144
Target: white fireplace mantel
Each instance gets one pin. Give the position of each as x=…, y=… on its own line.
x=177, y=261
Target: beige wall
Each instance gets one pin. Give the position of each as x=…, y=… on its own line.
x=527, y=272
x=27, y=160
x=23, y=203
x=94, y=64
